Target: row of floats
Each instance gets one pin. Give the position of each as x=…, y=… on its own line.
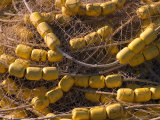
x=41, y=100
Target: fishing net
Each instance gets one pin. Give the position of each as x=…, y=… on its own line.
x=126, y=26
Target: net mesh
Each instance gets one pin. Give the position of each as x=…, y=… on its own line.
x=126, y=29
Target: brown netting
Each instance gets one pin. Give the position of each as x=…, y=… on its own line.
x=126, y=25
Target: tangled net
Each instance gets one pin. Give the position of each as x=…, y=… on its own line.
x=126, y=27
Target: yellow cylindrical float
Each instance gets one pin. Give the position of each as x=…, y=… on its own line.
x=150, y=52
x=39, y=91
x=72, y=5
x=136, y=45
x=48, y=17
x=113, y=81
x=155, y=92
x=124, y=55
x=17, y=70
x=54, y=95
x=77, y=43
x=40, y=102
x=43, y=29
x=142, y=95
x=82, y=10
x=97, y=81
x=66, y=83
x=113, y=49
x=39, y=55
x=6, y=59
x=105, y=31
x=105, y=99
x=93, y=39
x=93, y=97
x=93, y=9
x=9, y=86
x=54, y=56
x=25, y=63
x=115, y=111
x=136, y=60
x=125, y=94
x=149, y=35
x=51, y=41
x=81, y=81
x=36, y=18
x=63, y=19
x=119, y=3
x=80, y=114
x=145, y=12
x=23, y=51
x=66, y=11
x=98, y=113
x=108, y=8
x=50, y=73
x=33, y=73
